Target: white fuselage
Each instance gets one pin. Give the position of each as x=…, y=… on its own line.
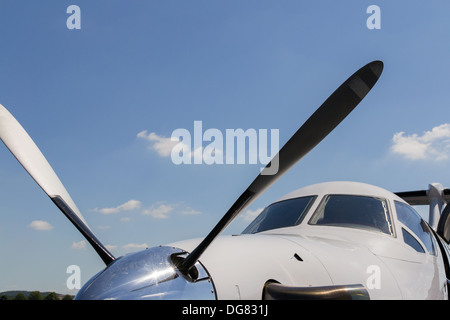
x=307, y=255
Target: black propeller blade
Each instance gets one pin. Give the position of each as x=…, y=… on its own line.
x=420, y=197
x=316, y=128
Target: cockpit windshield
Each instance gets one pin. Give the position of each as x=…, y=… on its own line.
x=361, y=212
x=281, y=214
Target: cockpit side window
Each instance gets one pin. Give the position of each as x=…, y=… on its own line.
x=354, y=211
x=281, y=214
x=411, y=219
x=412, y=242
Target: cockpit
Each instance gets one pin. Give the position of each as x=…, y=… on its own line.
x=281, y=214
x=365, y=212
x=352, y=211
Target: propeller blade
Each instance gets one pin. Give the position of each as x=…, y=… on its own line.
x=316, y=128
x=420, y=197
x=30, y=157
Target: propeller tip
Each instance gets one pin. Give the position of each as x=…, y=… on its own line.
x=376, y=67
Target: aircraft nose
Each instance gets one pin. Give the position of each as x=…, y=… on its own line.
x=145, y=275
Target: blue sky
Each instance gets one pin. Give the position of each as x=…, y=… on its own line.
x=85, y=95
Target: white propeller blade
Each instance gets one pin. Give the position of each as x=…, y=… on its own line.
x=31, y=158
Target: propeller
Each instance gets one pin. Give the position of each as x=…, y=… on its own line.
x=31, y=158
x=420, y=197
x=435, y=197
x=314, y=130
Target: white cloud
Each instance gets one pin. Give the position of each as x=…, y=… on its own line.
x=127, y=206
x=160, y=212
x=162, y=145
x=433, y=144
x=190, y=211
x=40, y=225
x=79, y=245
x=135, y=246
x=110, y=247
x=250, y=215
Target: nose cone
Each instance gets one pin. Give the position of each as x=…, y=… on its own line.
x=145, y=275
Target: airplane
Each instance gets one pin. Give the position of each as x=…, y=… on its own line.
x=334, y=240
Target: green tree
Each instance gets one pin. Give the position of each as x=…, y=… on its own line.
x=67, y=297
x=20, y=296
x=35, y=295
x=51, y=296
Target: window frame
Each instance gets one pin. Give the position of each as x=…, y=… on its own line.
x=413, y=237
x=406, y=227
x=390, y=217
x=301, y=218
